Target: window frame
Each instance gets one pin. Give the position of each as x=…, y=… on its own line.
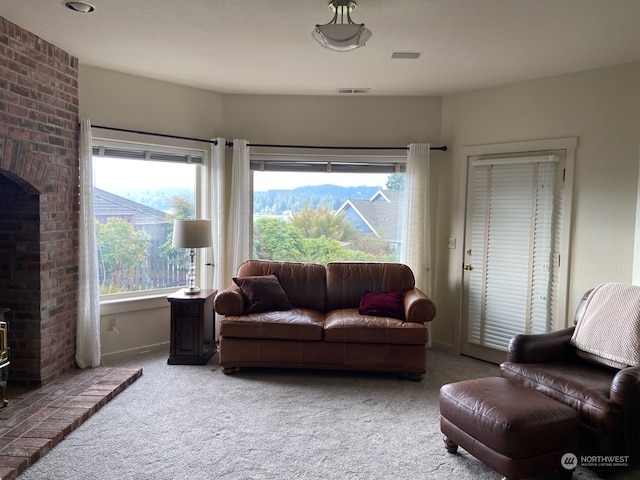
x=189, y=150
x=330, y=160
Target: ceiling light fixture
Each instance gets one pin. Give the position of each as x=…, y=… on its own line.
x=339, y=35
x=82, y=7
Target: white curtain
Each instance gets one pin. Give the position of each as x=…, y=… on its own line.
x=88, y=328
x=233, y=212
x=240, y=226
x=416, y=234
x=219, y=208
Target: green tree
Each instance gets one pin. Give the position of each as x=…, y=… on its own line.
x=322, y=222
x=276, y=239
x=324, y=250
x=395, y=181
x=181, y=208
x=120, y=249
x=376, y=248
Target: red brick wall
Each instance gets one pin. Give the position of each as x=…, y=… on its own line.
x=39, y=209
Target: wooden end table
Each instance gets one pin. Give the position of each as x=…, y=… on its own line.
x=192, y=328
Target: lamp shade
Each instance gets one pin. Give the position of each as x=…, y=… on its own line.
x=191, y=233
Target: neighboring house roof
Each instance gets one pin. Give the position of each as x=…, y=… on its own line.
x=378, y=215
x=106, y=204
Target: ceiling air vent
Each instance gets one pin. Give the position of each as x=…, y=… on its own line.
x=406, y=55
x=352, y=91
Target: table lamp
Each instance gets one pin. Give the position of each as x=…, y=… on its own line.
x=191, y=234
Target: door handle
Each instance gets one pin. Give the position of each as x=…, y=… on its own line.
x=468, y=266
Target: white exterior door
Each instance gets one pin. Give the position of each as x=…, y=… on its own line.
x=511, y=250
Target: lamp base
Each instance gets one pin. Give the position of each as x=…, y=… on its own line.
x=191, y=276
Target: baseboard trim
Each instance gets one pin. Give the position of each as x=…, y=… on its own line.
x=111, y=358
x=443, y=347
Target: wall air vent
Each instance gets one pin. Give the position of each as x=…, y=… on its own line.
x=352, y=91
x=406, y=55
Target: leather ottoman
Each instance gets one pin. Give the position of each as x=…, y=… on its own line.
x=513, y=429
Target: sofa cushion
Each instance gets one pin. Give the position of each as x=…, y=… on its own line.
x=263, y=293
x=347, y=281
x=382, y=304
x=347, y=325
x=304, y=283
x=295, y=324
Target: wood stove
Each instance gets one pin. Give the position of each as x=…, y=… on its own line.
x=4, y=358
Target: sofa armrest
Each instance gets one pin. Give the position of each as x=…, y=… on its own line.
x=625, y=392
x=625, y=387
x=418, y=307
x=229, y=301
x=541, y=347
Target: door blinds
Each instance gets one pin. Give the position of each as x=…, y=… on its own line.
x=512, y=286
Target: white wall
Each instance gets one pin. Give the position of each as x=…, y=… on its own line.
x=125, y=101
x=601, y=108
x=338, y=121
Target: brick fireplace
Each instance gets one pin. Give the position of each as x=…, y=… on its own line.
x=39, y=204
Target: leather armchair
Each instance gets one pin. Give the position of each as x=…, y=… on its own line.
x=607, y=399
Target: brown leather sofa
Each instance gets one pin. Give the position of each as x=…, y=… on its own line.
x=607, y=398
x=322, y=328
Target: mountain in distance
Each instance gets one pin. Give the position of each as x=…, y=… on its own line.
x=281, y=201
x=160, y=199
x=270, y=202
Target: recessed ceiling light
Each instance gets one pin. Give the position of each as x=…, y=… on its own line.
x=82, y=7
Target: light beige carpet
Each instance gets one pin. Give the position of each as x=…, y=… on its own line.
x=193, y=422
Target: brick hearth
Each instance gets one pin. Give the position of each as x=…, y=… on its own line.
x=38, y=419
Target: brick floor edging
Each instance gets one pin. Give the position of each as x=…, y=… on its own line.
x=35, y=422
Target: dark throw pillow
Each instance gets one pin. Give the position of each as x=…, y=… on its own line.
x=263, y=293
x=382, y=304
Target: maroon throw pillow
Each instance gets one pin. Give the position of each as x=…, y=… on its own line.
x=382, y=304
x=263, y=293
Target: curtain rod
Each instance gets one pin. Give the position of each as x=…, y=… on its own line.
x=323, y=147
x=215, y=142
x=230, y=144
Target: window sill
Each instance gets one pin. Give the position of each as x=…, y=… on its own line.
x=130, y=304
